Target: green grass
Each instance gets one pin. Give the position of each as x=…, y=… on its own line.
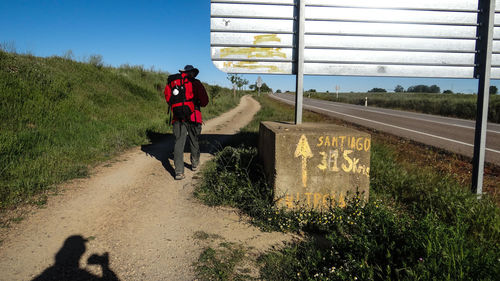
x=220, y=263
x=221, y=100
x=59, y=117
x=202, y=235
x=222, y=260
x=419, y=224
x=453, y=105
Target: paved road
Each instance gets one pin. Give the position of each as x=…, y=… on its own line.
x=452, y=134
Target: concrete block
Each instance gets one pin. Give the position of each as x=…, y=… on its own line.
x=314, y=165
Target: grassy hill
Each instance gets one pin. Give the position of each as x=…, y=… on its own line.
x=58, y=117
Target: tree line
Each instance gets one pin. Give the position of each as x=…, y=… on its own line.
x=239, y=82
x=423, y=89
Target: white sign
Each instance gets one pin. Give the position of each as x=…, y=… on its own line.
x=404, y=38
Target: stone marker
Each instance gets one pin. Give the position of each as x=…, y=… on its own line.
x=314, y=165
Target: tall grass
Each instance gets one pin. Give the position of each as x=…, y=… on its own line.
x=453, y=105
x=418, y=224
x=58, y=117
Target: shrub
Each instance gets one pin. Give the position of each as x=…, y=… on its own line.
x=96, y=60
x=418, y=225
x=377, y=90
x=235, y=167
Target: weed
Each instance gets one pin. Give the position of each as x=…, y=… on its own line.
x=17, y=219
x=226, y=261
x=219, y=264
x=418, y=224
x=202, y=235
x=41, y=202
x=96, y=60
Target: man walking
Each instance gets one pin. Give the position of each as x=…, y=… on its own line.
x=186, y=95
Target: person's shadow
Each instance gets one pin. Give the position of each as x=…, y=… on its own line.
x=162, y=145
x=67, y=260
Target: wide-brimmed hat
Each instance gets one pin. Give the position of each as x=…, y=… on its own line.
x=188, y=68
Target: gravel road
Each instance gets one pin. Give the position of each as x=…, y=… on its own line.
x=132, y=209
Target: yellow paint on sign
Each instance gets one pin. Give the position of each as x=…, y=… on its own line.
x=303, y=150
x=313, y=200
x=253, y=65
x=266, y=38
x=252, y=52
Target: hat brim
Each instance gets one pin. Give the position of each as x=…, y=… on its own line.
x=196, y=71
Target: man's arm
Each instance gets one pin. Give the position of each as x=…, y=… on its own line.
x=200, y=93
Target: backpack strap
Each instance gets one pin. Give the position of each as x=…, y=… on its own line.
x=170, y=114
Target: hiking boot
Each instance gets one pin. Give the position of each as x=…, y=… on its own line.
x=180, y=176
x=194, y=167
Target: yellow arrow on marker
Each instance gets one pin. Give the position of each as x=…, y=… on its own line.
x=303, y=150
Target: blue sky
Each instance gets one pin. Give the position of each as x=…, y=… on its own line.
x=165, y=34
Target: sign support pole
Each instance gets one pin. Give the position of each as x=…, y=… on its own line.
x=300, y=8
x=486, y=18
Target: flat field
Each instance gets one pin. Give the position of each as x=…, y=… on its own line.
x=452, y=105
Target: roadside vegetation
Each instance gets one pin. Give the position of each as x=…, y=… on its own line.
x=59, y=117
x=452, y=105
x=222, y=260
x=420, y=223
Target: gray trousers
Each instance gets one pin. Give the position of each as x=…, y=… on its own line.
x=183, y=131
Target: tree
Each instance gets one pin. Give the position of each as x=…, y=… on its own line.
x=311, y=91
x=448, y=92
x=278, y=91
x=237, y=80
x=399, y=89
x=418, y=89
x=493, y=90
x=234, y=78
x=434, y=89
x=424, y=89
x=377, y=90
x=242, y=83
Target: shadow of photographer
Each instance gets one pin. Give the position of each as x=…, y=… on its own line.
x=67, y=263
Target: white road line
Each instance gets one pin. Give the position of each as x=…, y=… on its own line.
x=414, y=118
x=389, y=125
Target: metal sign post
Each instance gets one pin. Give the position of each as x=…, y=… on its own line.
x=300, y=8
x=483, y=72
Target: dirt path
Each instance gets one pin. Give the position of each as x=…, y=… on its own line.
x=134, y=210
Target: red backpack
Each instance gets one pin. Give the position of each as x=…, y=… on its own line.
x=181, y=98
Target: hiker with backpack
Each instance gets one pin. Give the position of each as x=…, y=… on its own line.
x=185, y=95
